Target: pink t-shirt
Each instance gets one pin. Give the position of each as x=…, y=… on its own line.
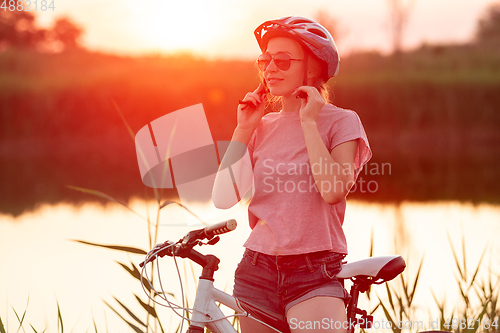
x=287, y=213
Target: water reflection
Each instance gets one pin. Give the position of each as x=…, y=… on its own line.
x=40, y=261
x=40, y=174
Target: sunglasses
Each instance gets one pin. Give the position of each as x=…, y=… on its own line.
x=281, y=60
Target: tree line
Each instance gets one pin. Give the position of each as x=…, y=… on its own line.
x=18, y=29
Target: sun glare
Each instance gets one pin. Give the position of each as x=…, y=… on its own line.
x=182, y=25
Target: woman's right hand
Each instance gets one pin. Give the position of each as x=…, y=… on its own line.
x=250, y=113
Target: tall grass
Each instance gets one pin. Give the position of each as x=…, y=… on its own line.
x=476, y=311
x=477, y=284
x=438, y=88
x=150, y=322
x=399, y=308
x=22, y=324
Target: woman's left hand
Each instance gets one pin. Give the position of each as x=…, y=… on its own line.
x=311, y=103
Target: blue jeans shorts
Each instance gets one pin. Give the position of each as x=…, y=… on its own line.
x=276, y=283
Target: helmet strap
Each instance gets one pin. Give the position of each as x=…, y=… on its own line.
x=306, y=63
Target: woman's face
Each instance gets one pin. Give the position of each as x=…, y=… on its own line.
x=284, y=82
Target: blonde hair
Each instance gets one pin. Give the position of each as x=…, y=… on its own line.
x=319, y=70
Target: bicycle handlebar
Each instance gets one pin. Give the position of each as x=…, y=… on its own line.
x=184, y=246
x=220, y=228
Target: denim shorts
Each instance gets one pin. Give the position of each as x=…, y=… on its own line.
x=276, y=283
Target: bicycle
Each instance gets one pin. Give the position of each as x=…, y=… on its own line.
x=206, y=313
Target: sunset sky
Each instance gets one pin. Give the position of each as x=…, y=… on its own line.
x=224, y=28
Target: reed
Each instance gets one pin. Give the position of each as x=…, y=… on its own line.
x=478, y=285
x=22, y=321
x=476, y=311
x=438, y=87
x=152, y=322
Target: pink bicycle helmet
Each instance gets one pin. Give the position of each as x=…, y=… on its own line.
x=308, y=33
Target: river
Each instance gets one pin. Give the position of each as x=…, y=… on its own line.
x=40, y=262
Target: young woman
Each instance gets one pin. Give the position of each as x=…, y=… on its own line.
x=304, y=160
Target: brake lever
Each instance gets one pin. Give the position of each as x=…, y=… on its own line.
x=191, y=239
x=161, y=250
x=213, y=241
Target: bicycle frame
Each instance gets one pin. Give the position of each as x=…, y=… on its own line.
x=207, y=313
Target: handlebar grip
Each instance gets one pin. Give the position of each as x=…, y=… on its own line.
x=191, y=239
x=220, y=228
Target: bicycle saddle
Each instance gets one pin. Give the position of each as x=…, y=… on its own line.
x=380, y=269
